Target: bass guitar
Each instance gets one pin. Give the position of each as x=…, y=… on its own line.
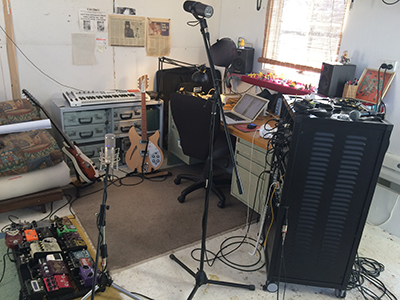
x=86, y=169
x=144, y=155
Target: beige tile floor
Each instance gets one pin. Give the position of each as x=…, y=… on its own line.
x=162, y=278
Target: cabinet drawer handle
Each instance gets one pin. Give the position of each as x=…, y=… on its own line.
x=86, y=121
x=125, y=116
x=91, y=154
x=86, y=135
x=125, y=128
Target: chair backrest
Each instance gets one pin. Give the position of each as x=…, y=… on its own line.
x=192, y=117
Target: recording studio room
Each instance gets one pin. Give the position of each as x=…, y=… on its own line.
x=225, y=149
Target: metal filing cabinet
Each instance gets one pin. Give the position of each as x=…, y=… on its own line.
x=251, y=164
x=87, y=125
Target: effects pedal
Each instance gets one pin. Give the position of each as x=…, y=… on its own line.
x=86, y=273
x=13, y=238
x=58, y=285
x=64, y=225
x=43, y=248
x=35, y=289
x=73, y=242
x=52, y=267
x=31, y=235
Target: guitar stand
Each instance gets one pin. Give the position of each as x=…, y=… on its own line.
x=200, y=276
x=79, y=185
x=100, y=283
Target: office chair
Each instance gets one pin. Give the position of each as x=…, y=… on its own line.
x=192, y=117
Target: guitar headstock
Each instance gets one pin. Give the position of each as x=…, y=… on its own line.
x=143, y=83
x=31, y=98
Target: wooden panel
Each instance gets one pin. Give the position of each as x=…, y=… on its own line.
x=39, y=198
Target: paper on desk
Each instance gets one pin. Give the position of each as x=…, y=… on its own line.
x=25, y=126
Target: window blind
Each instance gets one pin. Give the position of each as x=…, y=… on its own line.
x=302, y=34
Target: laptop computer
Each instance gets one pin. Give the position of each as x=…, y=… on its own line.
x=246, y=110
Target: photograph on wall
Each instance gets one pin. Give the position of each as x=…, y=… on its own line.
x=158, y=37
x=127, y=30
x=126, y=11
x=93, y=20
x=369, y=85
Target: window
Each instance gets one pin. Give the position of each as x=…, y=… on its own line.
x=302, y=34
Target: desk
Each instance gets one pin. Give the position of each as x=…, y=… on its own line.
x=249, y=136
x=252, y=160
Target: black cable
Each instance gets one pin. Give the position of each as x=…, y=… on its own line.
x=390, y=3
x=222, y=257
x=259, y=2
x=368, y=270
x=4, y=263
x=27, y=58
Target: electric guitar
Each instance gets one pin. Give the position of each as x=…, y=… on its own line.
x=144, y=155
x=86, y=169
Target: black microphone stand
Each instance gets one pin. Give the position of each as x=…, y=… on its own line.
x=104, y=280
x=200, y=276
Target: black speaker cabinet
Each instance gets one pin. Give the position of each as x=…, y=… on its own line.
x=332, y=170
x=243, y=62
x=333, y=78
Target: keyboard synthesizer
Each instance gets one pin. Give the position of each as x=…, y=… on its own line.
x=102, y=97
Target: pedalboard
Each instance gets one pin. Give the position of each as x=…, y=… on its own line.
x=52, y=261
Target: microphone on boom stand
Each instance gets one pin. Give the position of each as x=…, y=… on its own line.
x=199, y=9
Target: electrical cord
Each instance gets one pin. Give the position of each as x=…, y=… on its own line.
x=34, y=65
x=390, y=3
x=4, y=263
x=223, y=257
x=368, y=270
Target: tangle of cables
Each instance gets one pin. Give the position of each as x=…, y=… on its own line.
x=367, y=270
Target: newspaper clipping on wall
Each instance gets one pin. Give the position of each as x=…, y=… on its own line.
x=127, y=30
x=158, y=37
x=92, y=19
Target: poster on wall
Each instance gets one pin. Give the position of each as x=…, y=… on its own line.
x=158, y=37
x=93, y=20
x=373, y=85
x=127, y=30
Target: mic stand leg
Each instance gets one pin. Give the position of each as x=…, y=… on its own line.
x=104, y=279
x=200, y=276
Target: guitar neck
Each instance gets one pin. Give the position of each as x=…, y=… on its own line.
x=144, y=118
x=37, y=103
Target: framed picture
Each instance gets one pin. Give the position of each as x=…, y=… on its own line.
x=369, y=85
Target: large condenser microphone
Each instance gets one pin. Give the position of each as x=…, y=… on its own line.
x=198, y=9
x=109, y=148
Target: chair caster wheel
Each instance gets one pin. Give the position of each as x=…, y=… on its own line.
x=177, y=180
x=221, y=204
x=181, y=199
x=340, y=293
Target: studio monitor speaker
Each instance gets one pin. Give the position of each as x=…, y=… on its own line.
x=333, y=78
x=243, y=61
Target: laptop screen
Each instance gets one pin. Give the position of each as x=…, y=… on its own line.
x=249, y=106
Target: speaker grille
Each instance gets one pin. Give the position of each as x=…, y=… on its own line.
x=320, y=200
x=315, y=177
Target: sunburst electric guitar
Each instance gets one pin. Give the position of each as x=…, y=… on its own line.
x=86, y=169
x=144, y=155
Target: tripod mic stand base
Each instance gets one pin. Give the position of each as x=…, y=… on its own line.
x=201, y=278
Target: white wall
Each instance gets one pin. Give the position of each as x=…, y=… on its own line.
x=43, y=28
